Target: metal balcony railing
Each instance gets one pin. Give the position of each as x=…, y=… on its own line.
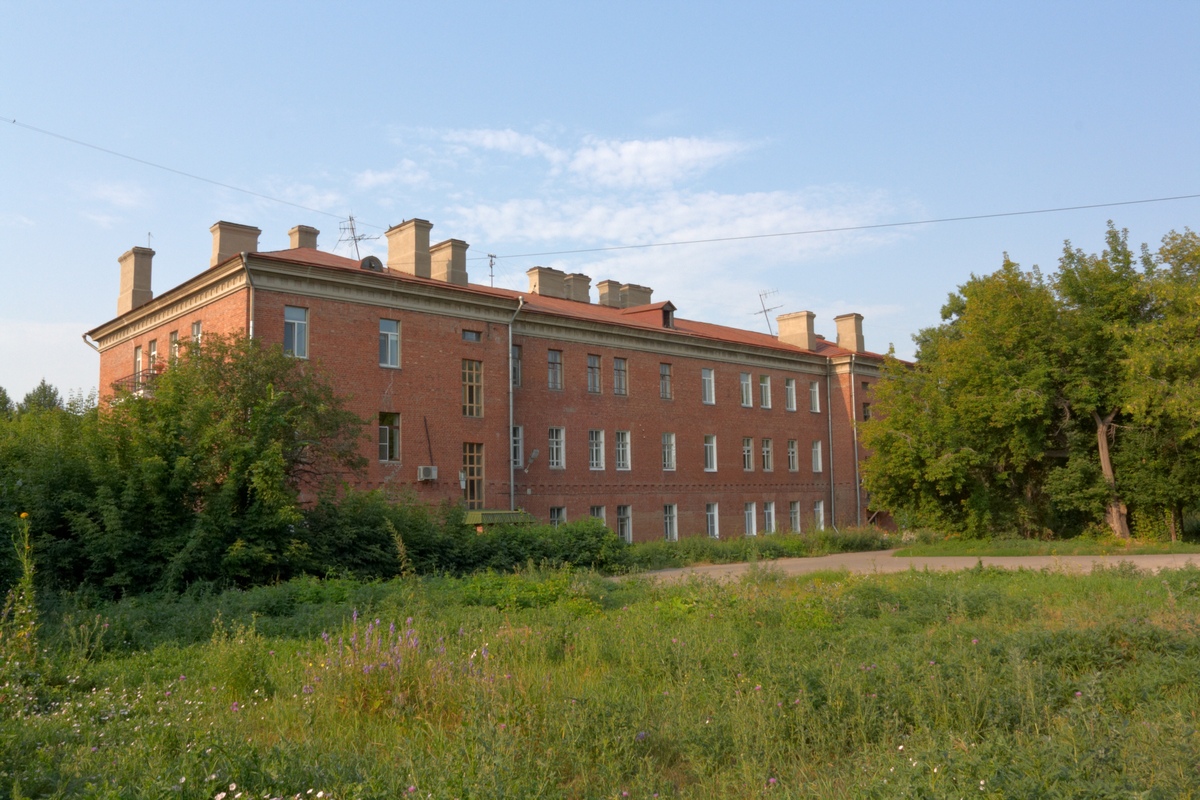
x=139, y=384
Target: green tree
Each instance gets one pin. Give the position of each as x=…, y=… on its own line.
x=42, y=397
x=6, y=404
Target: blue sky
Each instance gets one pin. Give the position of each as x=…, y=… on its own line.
x=535, y=127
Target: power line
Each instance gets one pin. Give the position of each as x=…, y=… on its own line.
x=876, y=226
x=178, y=171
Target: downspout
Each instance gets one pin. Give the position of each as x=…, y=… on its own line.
x=512, y=469
x=829, y=414
x=250, y=281
x=89, y=344
x=854, y=416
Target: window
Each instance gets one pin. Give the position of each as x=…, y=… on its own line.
x=769, y=516
x=473, y=473
x=712, y=520
x=558, y=515
x=708, y=388
x=622, y=448
x=555, y=448
x=819, y=515
x=748, y=454
x=173, y=345
x=668, y=451
x=789, y=393
x=866, y=387
x=710, y=452
x=554, y=369
x=768, y=455
x=747, y=396
x=295, y=331
x=389, y=343
x=764, y=391
x=596, y=512
x=751, y=519
x=197, y=330
x=794, y=515
x=817, y=456
x=389, y=437
x=593, y=374
x=670, y=524
x=137, y=363
x=625, y=524
x=152, y=354
x=866, y=411
x=516, y=365
x=472, y=393
x=472, y=336
x=814, y=396
x=793, y=456
x=596, y=449
x=664, y=381
x=518, y=446
x=620, y=376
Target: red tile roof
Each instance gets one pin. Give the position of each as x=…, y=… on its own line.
x=635, y=317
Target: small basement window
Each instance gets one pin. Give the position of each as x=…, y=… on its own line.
x=472, y=336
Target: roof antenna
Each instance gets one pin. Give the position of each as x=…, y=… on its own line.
x=350, y=234
x=492, y=269
x=766, y=312
x=149, y=236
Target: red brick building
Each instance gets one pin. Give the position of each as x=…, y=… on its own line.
x=618, y=408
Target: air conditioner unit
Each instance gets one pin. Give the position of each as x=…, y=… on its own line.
x=427, y=473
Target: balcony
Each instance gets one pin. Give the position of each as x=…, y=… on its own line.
x=139, y=384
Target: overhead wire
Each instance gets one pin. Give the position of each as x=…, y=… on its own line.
x=639, y=246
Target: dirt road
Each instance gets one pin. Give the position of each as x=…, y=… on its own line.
x=886, y=561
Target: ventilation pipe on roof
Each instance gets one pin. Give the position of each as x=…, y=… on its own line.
x=135, y=279
x=231, y=239
x=408, y=247
x=303, y=236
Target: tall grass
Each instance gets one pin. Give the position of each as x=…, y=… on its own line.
x=563, y=684
x=704, y=550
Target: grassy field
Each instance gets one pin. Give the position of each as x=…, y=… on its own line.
x=1080, y=546
x=565, y=684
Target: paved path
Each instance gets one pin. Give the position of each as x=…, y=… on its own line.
x=886, y=561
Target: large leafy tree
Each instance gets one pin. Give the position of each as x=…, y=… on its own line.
x=1045, y=404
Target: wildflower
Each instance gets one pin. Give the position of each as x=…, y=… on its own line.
x=974, y=641
x=758, y=687
x=641, y=735
x=412, y=789
x=24, y=515
x=1079, y=694
x=234, y=707
x=219, y=796
x=771, y=781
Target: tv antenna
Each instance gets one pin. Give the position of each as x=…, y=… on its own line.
x=766, y=312
x=492, y=269
x=350, y=234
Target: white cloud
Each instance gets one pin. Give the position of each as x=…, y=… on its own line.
x=406, y=173
x=653, y=163
x=505, y=141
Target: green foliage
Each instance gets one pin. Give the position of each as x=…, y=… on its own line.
x=703, y=550
x=1038, y=407
x=42, y=397
x=20, y=671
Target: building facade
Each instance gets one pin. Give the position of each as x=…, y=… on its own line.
x=540, y=400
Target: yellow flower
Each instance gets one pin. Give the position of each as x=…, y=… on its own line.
x=24, y=515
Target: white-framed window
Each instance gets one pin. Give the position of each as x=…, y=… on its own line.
x=620, y=376
x=516, y=365
x=625, y=523
x=664, y=382
x=558, y=515
x=556, y=446
x=593, y=374
x=389, y=436
x=152, y=353
x=389, y=343
x=768, y=516
x=668, y=451
x=793, y=455
x=596, y=512
x=816, y=465
x=624, y=460
x=295, y=331
x=708, y=386
x=173, y=346
x=518, y=446
x=794, y=515
x=814, y=396
x=712, y=520
x=764, y=391
x=137, y=364
x=747, y=390
x=789, y=393
x=750, y=512
x=595, y=449
x=670, y=522
x=197, y=331
x=710, y=452
x=748, y=454
x=819, y=515
x=768, y=455
x=554, y=369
